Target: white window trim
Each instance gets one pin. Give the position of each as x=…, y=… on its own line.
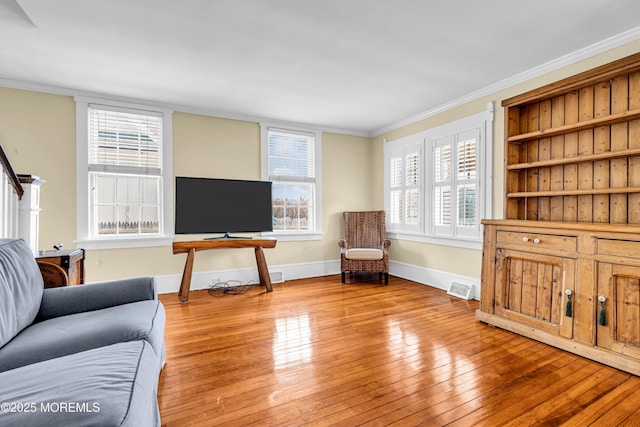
x=485, y=158
x=82, y=180
x=286, y=236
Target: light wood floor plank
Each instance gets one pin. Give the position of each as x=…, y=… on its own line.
x=316, y=352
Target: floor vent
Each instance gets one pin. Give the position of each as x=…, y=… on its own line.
x=276, y=277
x=461, y=290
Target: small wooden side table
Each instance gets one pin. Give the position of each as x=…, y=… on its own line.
x=191, y=247
x=71, y=261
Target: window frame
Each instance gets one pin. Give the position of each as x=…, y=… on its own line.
x=316, y=233
x=84, y=238
x=429, y=232
x=401, y=149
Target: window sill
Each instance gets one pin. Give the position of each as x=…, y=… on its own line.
x=466, y=243
x=293, y=237
x=124, y=242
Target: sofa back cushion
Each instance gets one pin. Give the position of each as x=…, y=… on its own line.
x=21, y=288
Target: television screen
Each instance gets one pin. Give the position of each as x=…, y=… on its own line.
x=208, y=205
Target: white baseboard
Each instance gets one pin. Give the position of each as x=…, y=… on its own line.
x=436, y=278
x=204, y=279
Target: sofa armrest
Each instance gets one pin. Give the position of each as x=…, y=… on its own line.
x=62, y=301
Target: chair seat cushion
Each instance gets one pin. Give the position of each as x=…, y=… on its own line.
x=364, y=253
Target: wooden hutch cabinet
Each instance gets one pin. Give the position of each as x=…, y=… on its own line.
x=563, y=267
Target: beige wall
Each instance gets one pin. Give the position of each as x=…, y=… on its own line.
x=38, y=134
x=467, y=262
x=37, y=131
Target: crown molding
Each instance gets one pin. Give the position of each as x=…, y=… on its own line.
x=58, y=90
x=553, y=65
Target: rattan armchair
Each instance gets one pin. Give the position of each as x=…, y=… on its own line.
x=365, y=246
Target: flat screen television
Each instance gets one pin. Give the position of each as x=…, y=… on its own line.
x=209, y=205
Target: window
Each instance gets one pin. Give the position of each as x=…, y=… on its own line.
x=124, y=175
x=291, y=161
x=438, y=182
x=404, y=168
x=455, y=185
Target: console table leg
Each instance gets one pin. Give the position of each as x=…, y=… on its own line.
x=263, y=270
x=186, y=276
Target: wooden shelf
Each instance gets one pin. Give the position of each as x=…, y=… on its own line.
x=574, y=160
x=575, y=127
x=591, y=191
x=572, y=149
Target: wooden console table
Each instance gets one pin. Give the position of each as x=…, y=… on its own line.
x=191, y=247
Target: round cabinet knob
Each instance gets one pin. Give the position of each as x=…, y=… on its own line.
x=536, y=241
x=525, y=239
x=602, y=298
x=568, y=292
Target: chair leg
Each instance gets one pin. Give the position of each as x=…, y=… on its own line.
x=343, y=277
x=386, y=278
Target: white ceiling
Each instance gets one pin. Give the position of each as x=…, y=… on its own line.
x=354, y=65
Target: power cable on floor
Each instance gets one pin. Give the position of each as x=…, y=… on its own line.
x=230, y=287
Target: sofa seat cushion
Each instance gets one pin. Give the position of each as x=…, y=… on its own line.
x=364, y=253
x=61, y=336
x=114, y=385
x=21, y=288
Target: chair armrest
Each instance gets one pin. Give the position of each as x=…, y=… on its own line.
x=386, y=244
x=58, y=302
x=342, y=243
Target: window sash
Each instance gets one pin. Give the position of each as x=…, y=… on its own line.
x=404, y=200
x=125, y=172
x=125, y=205
x=124, y=141
x=443, y=186
x=290, y=162
x=293, y=207
x=455, y=184
x=291, y=155
x=468, y=183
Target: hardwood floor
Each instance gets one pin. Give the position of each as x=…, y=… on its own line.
x=317, y=352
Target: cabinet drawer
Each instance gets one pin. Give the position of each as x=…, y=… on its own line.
x=534, y=241
x=619, y=248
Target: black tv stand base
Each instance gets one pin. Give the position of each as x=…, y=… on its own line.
x=227, y=236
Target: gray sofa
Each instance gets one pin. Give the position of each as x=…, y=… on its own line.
x=77, y=356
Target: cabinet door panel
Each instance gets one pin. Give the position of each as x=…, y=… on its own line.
x=627, y=291
x=530, y=288
x=620, y=285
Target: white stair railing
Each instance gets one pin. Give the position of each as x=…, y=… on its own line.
x=10, y=194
